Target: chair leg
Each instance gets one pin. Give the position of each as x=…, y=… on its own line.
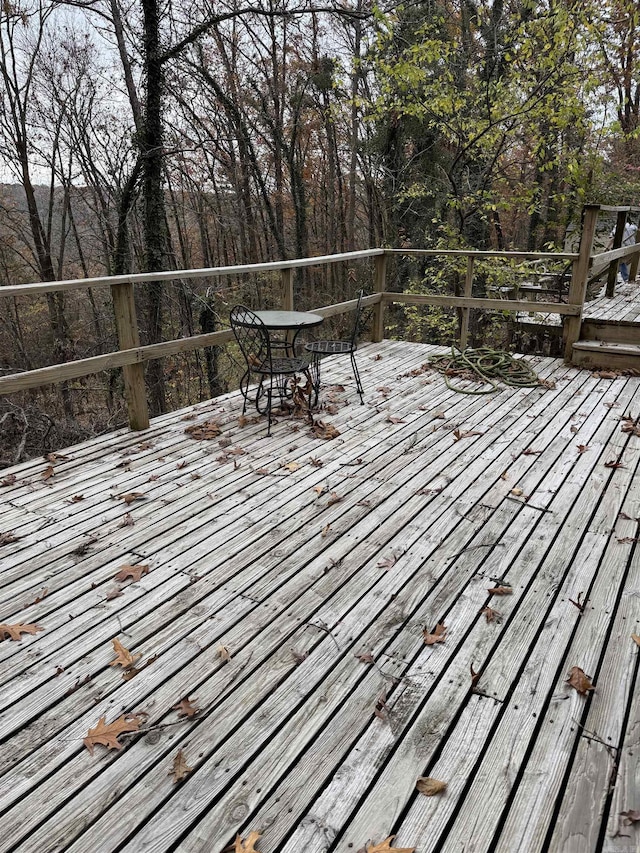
x=269, y=399
x=314, y=377
x=356, y=374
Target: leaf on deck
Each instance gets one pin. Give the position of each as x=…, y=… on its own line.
x=500, y=590
x=133, y=572
x=365, y=657
x=334, y=498
x=205, y=431
x=126, y=520
x=387, y=562
x=14, y=632
x=48, y=473
x=438, y=635
x=247, y=846
x=292, y=466
x=223, y=653
x=385, y=847
x=186, y=708
x=323, y=430
x=490, y=614
x=179, y=768
x=459, y=434
x=9, y=480
x=130, y=497
x=123, y=658
x=631, y=816
x=582, y=448
x=613, y=463
x=108, y=734
x=430, y=787
x=579, y=681
x=636, y=639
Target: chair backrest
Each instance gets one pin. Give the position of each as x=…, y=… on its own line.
x=252, y=336
x=358, y=312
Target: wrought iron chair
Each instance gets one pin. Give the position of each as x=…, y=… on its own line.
x=256, y=347
x=325, y=348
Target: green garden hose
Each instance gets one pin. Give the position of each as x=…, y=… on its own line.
x=485, y=365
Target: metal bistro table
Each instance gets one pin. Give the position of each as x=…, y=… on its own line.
x=288, y=321
x=280, y=367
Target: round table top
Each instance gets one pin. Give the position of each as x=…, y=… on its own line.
x=289, y=319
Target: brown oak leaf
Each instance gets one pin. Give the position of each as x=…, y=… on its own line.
x=365, y=657
x=8, y=537
x=437, y=636
x=613, y=463
x=500, y=590
x=179, y=768
x=334, y=498
x=186, y=707
x=205, y=431
x=123, y=658
x=247, y=846
x=108, y=734
x=636, y=639
x=130, y=497
x=14, y=632
x=133, y=572
x=385, y=847
x=631, y=816
x=582, y=448
x=490, y=614
x=324, y=430
x=48, y=473
x=430, y=787
x=223, y=653
x=579, y=681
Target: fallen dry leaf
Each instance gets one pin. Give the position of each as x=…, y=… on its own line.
x=123, y=658
x=14, y=631
x=500, y=590
x=317, y=463
x=299, y=656
x=613, y=463
x=8, y=537
x=631, y=816
x=365, y=657
x=223, y=653
x=636, y=639
x=459, y=434
x=430, y=787
x=107, y=735
x=133, y=572
x=204, y=431
x=579, y=681
x=440, y=415
x=387, y=562
x=582, y=448
x=326, y=530
x=292, y=466
x=437, y=636
x=334, y=498
x=9, y=480
x=48, y=473
x=489, y=614
x=385, y=846
x=324, y=430
x=517, y=492
x=115, y=592
x=630, y=425
x=179, y=768
x=76, y=499
x=127, y=520
x=130, y=497
x=475, y=677
x=390, y=419
x=186, y=707
x=248, y=845
x=530, y=452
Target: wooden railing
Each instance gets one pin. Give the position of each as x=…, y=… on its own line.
x=131, y=355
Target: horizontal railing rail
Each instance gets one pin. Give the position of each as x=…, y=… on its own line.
x=131, y=356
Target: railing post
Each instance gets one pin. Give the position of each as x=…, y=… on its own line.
x=286, y=277
x=468, y=292
x=579, y=278
x=379, y=286
x=621, y=221
x=124, y=309
x=633, y=269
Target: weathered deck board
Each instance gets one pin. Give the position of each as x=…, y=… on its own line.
x=262, y=559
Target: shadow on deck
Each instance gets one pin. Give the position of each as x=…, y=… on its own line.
x=290, y=584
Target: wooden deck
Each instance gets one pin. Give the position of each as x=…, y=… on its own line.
x=624, y=305
x=314, y=566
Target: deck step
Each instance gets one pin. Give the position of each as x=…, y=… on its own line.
x=611, y=331
x=618, y=356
